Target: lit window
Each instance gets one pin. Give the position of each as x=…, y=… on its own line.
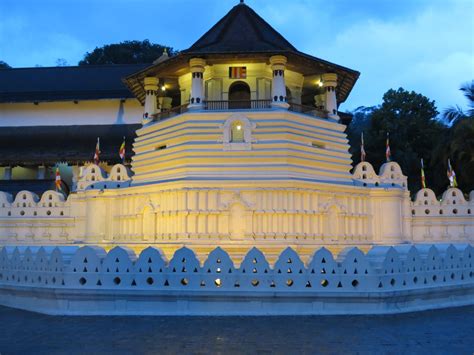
x=237, y=132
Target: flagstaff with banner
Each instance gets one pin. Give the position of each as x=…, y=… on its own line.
x=451, y=176
x=388, y=154
x=122, y=151
x=423, y=180
x=97, y=152
x=57, y=181
x=362, y=150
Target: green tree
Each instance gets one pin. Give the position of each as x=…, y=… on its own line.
x=127, y=52
x=361, y=117
x=4, y=65
x=410, y=119
x=459, y=144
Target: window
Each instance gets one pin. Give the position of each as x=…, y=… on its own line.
x=237, y=132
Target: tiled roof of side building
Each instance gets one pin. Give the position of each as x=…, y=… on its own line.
x=88, y=82
x=36, y=145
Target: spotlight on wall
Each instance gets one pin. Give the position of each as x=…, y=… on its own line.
x=239, y=127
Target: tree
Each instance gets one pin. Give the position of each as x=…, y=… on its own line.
x=361, y=117
x=410, y=118
x=454, y=113
x=127, y=52
x=4, y=65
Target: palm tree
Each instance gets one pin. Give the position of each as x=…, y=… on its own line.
x=454, y=113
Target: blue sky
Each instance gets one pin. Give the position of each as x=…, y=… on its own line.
x=421, y=45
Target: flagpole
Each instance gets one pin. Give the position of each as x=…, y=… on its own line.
x=387, y=149
x=362, y=148
x=423, y=181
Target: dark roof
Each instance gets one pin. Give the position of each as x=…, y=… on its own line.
x=241, y=30
x=35, y=145
x=87, y=82
x=242, y=35
x=37, y=186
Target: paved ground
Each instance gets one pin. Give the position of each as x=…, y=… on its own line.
x=448, y=331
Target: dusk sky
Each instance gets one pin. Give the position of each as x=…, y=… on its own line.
x=421, y=45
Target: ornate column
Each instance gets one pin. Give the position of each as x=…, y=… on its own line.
x=329, y=84
x=197, y=66
x=278, y=64
x=151, y=88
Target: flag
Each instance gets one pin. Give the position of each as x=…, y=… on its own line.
x=451, y=176
x=423, y=181
x=387, y=149
x=122, y=150
x=362, y=150
x=57, y=182
x=97, y=152
x=237, y=72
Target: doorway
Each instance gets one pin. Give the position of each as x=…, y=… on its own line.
x=239, y=95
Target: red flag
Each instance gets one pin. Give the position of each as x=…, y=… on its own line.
x=97, y=152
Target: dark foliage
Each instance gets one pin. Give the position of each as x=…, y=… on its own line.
x=4, y=65
x=415, y=133
x=127, y=52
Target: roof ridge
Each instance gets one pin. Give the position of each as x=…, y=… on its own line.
x=76, y=66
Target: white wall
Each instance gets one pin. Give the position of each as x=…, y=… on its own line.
x=66, y=113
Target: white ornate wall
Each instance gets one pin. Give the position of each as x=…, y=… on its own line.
x=385, y=280
x=451, y=218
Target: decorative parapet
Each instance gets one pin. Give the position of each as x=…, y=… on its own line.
x=390, y=175
x=91, y=276
x=94, y=177
x=383, y=268
x=452, y=204
x=28, y=204
x=449, y=219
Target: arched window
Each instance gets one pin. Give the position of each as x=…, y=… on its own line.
x=237, y=132
x=239, y=95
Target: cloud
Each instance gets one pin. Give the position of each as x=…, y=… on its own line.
x=430, y=52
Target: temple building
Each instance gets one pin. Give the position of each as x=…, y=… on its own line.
x=52, y=117
x=237, y=142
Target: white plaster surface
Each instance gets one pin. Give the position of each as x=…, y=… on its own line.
x=88, y=280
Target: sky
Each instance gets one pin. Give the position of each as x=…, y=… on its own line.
x=421, y=45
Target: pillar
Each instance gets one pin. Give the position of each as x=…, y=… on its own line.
x=151, y=88
x=7, y=174
x=41, y=174
x=278, y=64
x=329, y=84
x=197, y=67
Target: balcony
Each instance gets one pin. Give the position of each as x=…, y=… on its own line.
x=223, y=105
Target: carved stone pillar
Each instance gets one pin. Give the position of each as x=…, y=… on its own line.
x=197, y=66
x=329, y=84
x=151, y=88
x=278, y=64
